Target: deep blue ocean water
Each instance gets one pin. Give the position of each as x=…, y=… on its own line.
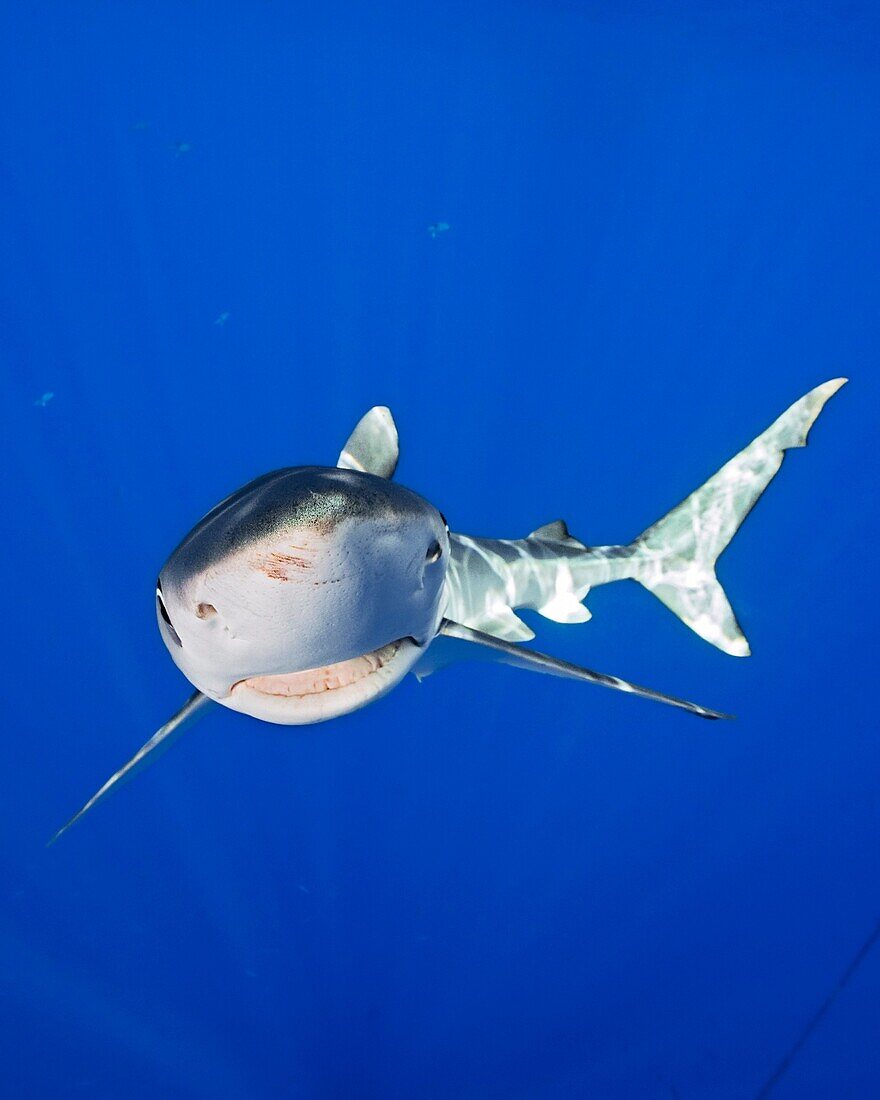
x=663, y=229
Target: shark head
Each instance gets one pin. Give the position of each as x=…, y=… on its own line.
x=306, y=594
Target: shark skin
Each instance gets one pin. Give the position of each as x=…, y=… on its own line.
x=551, y=573
x=312, y=591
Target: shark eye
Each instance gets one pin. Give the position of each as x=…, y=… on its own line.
x=434, y=552
x=163, y=611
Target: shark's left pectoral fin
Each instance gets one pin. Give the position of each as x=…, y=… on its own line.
x=193, y=708
x=373, y=446
x=543, y=662
x=445, y=651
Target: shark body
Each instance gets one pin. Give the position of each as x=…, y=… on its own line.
x=313, y=591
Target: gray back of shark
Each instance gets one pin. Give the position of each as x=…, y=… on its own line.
x=314, y=590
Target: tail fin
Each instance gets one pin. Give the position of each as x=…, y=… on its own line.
x=676, y=557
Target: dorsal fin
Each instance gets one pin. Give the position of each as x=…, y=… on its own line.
x=372, y=447
x=557, y=531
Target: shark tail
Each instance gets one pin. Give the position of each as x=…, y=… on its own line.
x=675, y=558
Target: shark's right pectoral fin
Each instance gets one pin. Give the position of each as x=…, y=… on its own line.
x=373, y=446
x=542, y=662
x=192, y=709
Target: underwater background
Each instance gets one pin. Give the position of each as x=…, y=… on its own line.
x=654, y=227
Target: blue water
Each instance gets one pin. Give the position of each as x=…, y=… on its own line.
x=663, y=228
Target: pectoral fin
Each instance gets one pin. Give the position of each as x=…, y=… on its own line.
x=193, y=708
x=542, y=662
x=445, y=651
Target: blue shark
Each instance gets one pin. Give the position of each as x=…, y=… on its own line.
x=314, y=590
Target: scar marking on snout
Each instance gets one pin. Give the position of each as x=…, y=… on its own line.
x=279, y=566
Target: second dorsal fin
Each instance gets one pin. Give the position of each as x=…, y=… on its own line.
x=557, y=531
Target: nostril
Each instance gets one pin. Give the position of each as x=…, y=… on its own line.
x=205, y=610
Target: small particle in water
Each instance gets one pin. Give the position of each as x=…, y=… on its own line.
x=181, y=147
x=251, y=973
x=141, y=126
x=222, y=319
x=437, y=228
x=302, y=888
x=43, y=401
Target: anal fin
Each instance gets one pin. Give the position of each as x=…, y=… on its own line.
x=565, y=607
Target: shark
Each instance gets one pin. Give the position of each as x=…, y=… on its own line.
x=313, y=591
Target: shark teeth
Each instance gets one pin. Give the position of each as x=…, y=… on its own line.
x=314, y=681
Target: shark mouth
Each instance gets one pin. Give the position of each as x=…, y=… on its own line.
x=315, y=694
x=329, y=678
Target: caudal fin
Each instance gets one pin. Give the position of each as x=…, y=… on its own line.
x=676, y=556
